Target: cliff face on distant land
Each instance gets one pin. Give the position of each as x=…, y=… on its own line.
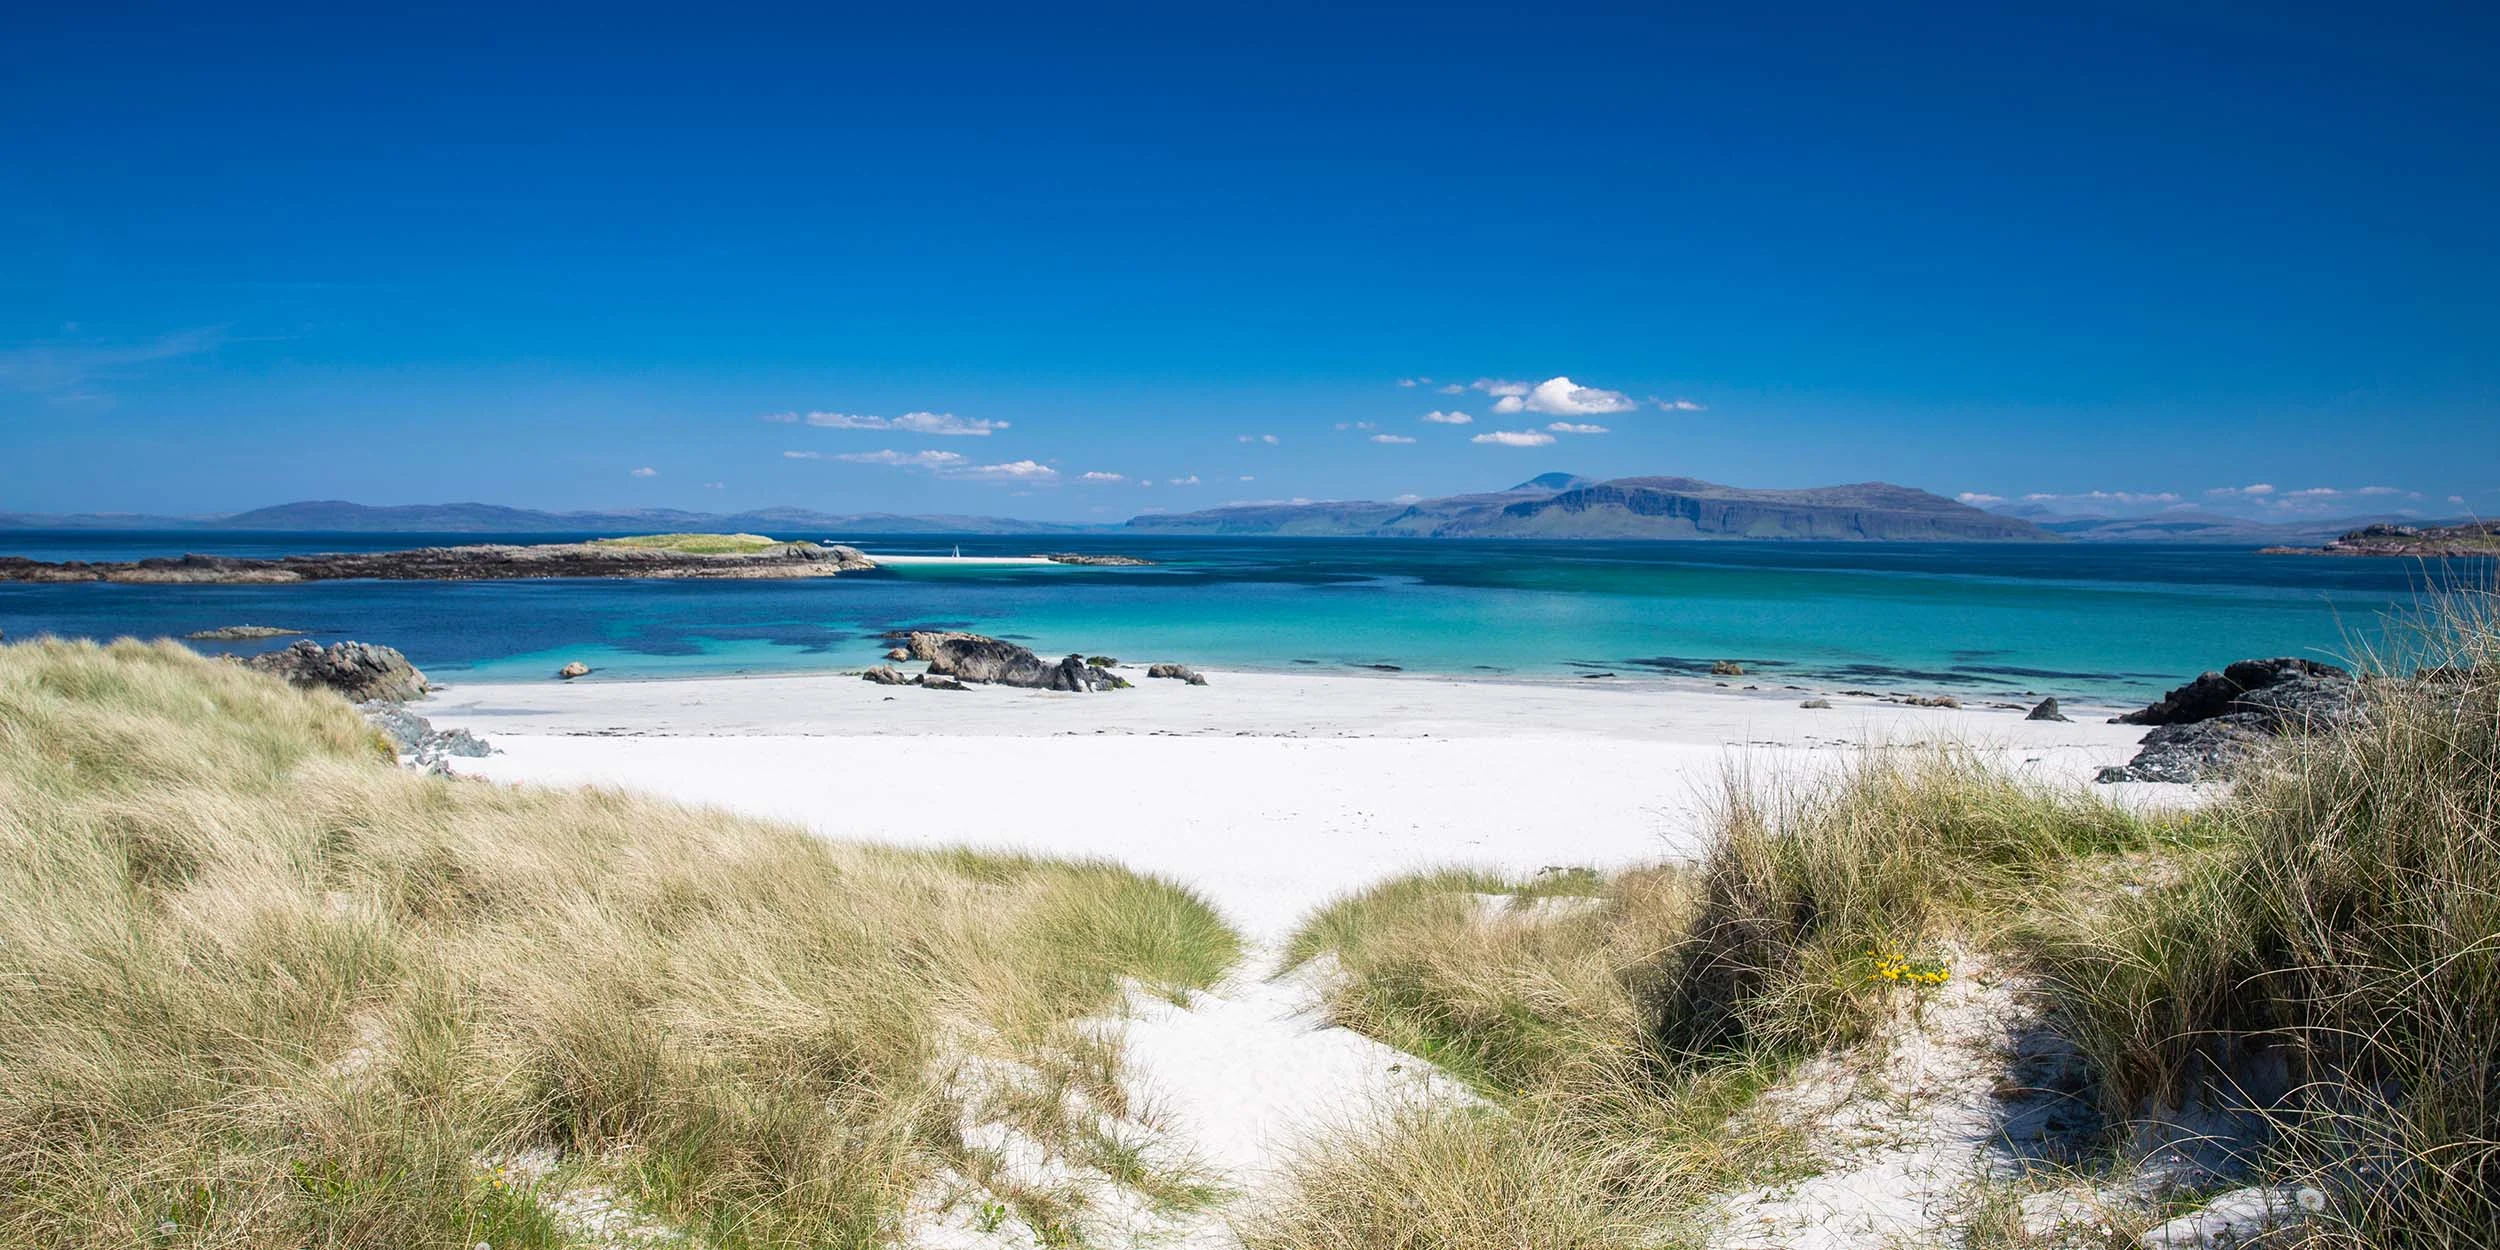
x=1560, y=506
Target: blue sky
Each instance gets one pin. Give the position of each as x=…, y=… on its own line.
x=586, y=257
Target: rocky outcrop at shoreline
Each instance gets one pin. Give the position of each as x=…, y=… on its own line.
x=2475, y=538
x=486, y=562
x=2206, y=727
x=363, y=672
x=983, y=660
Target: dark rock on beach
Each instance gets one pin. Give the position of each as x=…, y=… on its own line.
x=2214, y=694
x=2047, y=709
x=361, y=671
x=417, y=739
x=2204, y=729
x=886, y=675
x=1726, y=668
x=1177, y=672
x=984, y=660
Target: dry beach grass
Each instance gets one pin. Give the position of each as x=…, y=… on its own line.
x=2313, y=961
x=264, y=988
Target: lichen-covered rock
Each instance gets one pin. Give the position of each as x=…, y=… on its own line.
x=363, y=672
x=1726, y=668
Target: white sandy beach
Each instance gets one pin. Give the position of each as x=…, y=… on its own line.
x=1268, y=793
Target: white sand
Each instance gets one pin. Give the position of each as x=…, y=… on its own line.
x=1267, y=793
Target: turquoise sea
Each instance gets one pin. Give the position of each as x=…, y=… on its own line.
x=2115, y=622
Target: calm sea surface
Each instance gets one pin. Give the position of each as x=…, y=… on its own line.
x=2103, y=621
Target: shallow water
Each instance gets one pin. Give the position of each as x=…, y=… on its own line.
x=2104, y=621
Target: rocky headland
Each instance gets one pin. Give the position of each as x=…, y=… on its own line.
x=2474, y=538
x=699, y=557
x=2206, y=727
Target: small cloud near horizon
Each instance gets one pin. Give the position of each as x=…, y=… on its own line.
x=1452, y=417
x=1679, y=404
x=1268, y=439
x=944, y=424
x=1011, y=471
x=1514, y=438
x=1103, y=477
x=1391, y=439
x=646, y=471
x=1566, y=427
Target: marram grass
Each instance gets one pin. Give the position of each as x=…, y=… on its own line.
x=259, y=987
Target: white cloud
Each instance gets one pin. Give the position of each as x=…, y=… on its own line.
x=2457, y=500
x=1356, y=425
x=1453, y=389
x=1679, y=404
x=715, y=485
x=2256, y=491
x=1414, y=381
x=1268, y=439
x=646, y=471
x=1566, y=427
x=1406, y=498
x=940, y=423
x=1190, y=480
x=2127, y=497
x=1103, y=477
x=1555, y=397
x=897, y=459
x=1448, y=418
x=2378, y=490
x=1391, y=438
x=1247, y=478
x=1979, y=499
x=1514, y=438
x=1011, y=471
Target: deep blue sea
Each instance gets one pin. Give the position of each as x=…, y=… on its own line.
x=2074, y=619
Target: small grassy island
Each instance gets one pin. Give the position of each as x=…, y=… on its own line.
x=649, y=555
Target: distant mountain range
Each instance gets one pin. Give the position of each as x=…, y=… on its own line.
x=1552, y=505
x=338, y=516
x=1560, y=505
